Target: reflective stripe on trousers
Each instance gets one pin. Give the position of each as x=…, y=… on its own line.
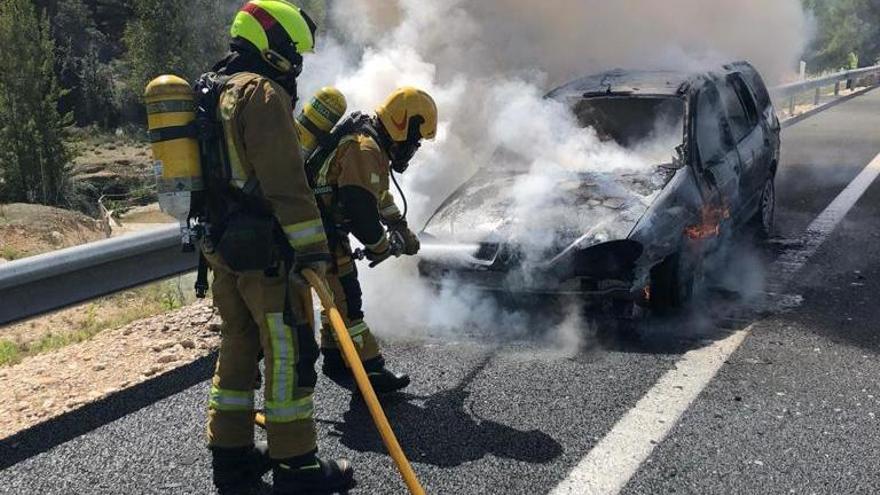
x=282, y=357
x=292, y=410
x=231, y=400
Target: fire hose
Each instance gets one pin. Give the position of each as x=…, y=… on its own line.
x=363, y=383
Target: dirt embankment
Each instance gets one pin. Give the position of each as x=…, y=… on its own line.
x=51, y=384
x=58, y=362
x=28, y=230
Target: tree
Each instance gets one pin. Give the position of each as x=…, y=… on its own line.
x=182, y=37
x=82, y=51
x=847, y=31
x=33, y=156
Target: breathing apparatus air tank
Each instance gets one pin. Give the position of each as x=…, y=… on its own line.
x=171, y=115
x=318, y=118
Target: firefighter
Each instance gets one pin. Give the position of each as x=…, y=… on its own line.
x=264, y=228
x=351, y=181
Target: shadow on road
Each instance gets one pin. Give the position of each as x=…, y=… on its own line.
x=442, y=431
x=58, y=430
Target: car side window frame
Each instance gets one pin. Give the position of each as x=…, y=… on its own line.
x=728, y=90
x=746, y=98
x=725, y=139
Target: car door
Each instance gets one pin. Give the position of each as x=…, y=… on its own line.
x=751, y=140
x=718, y=162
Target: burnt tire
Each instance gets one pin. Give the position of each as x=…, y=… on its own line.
x=673, y=283
x=763, y=222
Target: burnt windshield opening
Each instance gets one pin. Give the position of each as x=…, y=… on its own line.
x=649, y=125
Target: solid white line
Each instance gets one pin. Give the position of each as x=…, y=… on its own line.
x=610, y=465
x=615, y=459
x=791, y=262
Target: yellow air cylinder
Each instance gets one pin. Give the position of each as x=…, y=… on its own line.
x=318, y=118
x=170, y=115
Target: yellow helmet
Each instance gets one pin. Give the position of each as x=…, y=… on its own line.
x=279, y=30
x=409, y=114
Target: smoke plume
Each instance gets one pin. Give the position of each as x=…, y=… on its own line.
x=487, y=63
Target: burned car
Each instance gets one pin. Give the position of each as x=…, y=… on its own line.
x=624, y=236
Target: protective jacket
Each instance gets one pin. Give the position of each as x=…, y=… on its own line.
x=260, y=134
x=352, y=187
x=353, y=191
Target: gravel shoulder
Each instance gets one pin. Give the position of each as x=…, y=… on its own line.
x=48, y=385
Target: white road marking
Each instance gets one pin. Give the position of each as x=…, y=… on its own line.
x=615, y=459
x=610, y=465
x=792, y=261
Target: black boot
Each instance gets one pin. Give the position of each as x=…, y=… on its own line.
x=311, y=475
x=238, y=468
x=384, y=381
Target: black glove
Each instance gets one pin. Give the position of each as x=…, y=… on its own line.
x=376, y=257
x=319, y=265
x=408, y=241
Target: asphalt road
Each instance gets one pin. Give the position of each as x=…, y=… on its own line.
x=793, y=410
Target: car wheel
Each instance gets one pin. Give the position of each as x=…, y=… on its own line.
x=765, y=218
x=674, y=281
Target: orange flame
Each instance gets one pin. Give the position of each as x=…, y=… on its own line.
x=710, y=225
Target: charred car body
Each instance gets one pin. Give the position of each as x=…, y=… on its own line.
x=630, y=236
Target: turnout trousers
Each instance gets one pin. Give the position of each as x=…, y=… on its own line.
x=252, y=305
x=343, y=281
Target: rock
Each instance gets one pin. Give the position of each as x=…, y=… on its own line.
x=165, y=328
x=161, y=346
x=152, y=370
x=48, y=404
x=167, y=358
x=127, y=330
x=99, y=367
x=187, y=344
x=56, y=238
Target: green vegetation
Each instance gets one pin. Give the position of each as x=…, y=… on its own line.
x=109, y=313
x=85, y=63
x=9, y=253
x=33, y=156
x=847, y=34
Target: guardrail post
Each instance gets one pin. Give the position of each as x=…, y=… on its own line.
x=818, y=98
x=849, y=84
x=791, y=106
x=837, y=88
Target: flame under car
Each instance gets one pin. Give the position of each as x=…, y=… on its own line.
x=628, y=235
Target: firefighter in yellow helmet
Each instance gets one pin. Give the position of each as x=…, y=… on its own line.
x=351, y=179
x=264, y=228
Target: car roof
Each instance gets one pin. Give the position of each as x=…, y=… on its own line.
x=641, y=82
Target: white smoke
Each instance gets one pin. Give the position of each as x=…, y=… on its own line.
x=487, y=63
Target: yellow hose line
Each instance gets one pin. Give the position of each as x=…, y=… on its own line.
x=363, y=383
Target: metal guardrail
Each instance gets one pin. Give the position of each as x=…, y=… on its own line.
x=36, y=285
x=850, y=77
x=43, y=283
